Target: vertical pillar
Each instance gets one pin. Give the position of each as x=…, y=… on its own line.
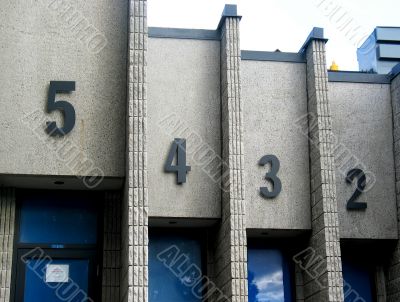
x=393, y=277
x=111, y=247
x=7, y=221
x=299, y=283
x=380, y=284
x=325, y=239
x=231, y=247
x=134, y=274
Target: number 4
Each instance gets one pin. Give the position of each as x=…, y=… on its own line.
x=179, y=148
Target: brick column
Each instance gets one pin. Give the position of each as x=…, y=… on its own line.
x=325, y=239
x=134, y=276
x=231, y=248
x=393, y=277
x=7, y=220
x=111, y=247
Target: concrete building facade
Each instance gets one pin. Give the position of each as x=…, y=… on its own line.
x=161, y=164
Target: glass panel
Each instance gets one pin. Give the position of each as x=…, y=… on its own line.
x=268, y=276
x=174, y=268
x=357, y=281
x=52, y=218
x=39, y=274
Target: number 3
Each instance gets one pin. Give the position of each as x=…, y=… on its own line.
x=65, y=107
x=271, y=176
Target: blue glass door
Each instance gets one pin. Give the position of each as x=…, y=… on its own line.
x=57, y=280
x=57, y=246
x=53, y=276
x=175, y=267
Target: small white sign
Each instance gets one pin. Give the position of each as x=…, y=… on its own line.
x=57, y=273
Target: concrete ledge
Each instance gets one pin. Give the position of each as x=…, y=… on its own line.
x=273, y=56
x=183, y=33
x=358, y=77
x=181, y=222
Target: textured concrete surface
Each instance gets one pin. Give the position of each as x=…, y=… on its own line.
x=62, y=40
x=325, y=239
x=393, y=270
x=230, y=246
x=198, y=90
x=134, y=248
x=184, y=96
x=362, y=127
x=7, y=221
x=270, y=114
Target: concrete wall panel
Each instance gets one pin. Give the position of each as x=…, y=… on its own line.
x=184, y=102
x=275, y=97
x=363, y=135
x=77, y=41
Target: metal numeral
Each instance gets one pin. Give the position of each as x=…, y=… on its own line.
x=179, y=148
x=67, y=109
x=361, y=183
x=271, y=176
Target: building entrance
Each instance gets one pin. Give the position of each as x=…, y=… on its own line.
x=57, y=247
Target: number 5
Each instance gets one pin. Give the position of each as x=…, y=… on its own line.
x=67, y=109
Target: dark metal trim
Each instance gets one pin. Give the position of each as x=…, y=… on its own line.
x=358, y=77
x=184, y=33
x=317, y=33
x=395, y=71
x=273, y=56
x=230, y=10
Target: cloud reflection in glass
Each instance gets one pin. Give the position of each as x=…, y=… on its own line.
x=268, y=276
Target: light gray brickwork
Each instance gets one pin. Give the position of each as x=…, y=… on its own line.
x=230, y=268
x=134, y=272
x=325, y=239
x=111, y=247
x=7, y=221
x=393, y=276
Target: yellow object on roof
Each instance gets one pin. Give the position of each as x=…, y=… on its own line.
x=334, y=66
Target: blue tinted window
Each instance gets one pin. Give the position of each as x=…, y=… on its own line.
x=58, y=219
x=174, y=269
x=37, y=286
x=268, y=276
x=358, y=281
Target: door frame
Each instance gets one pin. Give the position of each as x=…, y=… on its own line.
x=96, y=283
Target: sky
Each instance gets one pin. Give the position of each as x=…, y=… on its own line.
x=285, y=24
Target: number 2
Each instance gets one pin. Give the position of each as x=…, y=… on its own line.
x=361, y=183
x=67, y=109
